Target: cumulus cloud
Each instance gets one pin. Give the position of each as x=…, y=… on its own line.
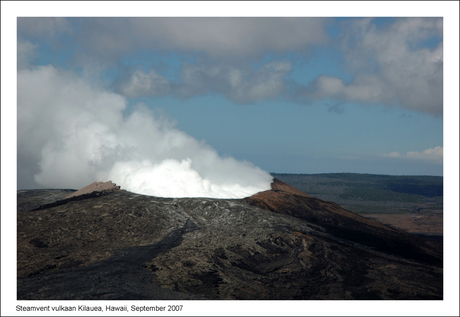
x=71, y=133
x=434, y=155
x=227, y=44
x=239, y=84
x=391, y=65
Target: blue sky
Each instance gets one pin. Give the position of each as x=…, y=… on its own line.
x=290, y=95
x=293, y=126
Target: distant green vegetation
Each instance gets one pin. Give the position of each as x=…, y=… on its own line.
x=368, y=193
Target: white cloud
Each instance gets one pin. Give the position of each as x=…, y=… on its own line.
x=434, y=155
x=390, y=65
x=393, y=154
x=71, y=133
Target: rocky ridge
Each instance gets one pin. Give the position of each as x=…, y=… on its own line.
x=278, y=244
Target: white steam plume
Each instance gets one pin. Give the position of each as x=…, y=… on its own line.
x=75, y=134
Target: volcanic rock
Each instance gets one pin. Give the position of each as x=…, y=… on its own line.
x=106, y=187
x=277, y=244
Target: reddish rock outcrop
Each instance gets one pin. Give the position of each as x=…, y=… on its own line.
x=95, y=187
x=285, y=199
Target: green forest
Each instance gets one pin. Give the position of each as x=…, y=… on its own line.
x=372, y=194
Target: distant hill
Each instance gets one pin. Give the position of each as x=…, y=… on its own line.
x=371, y=194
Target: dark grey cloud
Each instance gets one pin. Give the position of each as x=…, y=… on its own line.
x=238, y=83
x=390, y=64
x=336, y=107
x=26, y=54
x=215, y=37
x=41, y=27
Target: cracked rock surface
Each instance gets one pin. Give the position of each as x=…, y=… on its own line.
x=279, y=244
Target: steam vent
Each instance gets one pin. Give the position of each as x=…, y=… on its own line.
x=103, y=243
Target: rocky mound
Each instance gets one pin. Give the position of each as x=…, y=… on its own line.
x=278, y=244
x=285, y=199
x=107, y=187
